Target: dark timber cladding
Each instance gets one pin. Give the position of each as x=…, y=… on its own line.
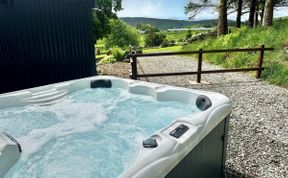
x=45, y=41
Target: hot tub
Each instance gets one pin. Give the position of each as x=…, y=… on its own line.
x=111, y=127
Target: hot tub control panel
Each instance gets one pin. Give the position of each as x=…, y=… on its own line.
x=180, y=130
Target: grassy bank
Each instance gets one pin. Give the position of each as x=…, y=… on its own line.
x=166, y=49
x=276, y=63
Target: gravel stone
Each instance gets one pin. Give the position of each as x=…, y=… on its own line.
x=119, y=69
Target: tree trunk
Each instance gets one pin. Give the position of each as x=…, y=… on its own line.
x=268, y=13
x=222, y=21
x=255, y=24
x=262, y=14
x=239, y=13
x=252, y=13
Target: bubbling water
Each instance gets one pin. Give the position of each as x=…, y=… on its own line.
x=93, y=133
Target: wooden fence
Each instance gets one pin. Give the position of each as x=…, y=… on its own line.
x=134, y=58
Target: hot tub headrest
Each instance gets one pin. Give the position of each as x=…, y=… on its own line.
x=203, y=102
x=103, y=83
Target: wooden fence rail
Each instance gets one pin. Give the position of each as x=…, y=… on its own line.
x=134, y=59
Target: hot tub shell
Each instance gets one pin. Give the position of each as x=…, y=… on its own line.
x=198, y=152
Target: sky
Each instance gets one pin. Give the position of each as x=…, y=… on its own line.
x=173, y=9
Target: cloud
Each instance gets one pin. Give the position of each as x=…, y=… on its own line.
x=144, y=8
x=151, y=8
x=175, y=9
x=280, y=12
x=208, y=13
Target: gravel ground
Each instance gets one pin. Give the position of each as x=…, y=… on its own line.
x=258, y=131
x=120, y=69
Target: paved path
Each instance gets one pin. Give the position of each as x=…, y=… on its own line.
x=258, y=135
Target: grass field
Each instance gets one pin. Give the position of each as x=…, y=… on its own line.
x=166, y=49
x=176, y=36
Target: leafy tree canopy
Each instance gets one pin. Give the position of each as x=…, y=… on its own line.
x=121, y=35
x=102, y=13
x=147, y=28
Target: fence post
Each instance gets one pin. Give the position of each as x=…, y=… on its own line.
x=134, y=67
x=200, y=57
x=260, y=61
x=130, y=49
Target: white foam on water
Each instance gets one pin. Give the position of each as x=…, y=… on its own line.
x=94, y=133
x=82, y=121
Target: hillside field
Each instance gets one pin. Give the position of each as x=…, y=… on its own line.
x=165, y=24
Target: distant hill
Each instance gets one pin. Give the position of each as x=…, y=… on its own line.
x=165, y=24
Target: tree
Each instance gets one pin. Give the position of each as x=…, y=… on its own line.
x=239, y=13
x=222, y=19
x=252, y=11
x=121, y=35
x=154, y=39
x=193, y=8
x=265, y=9
x=268, y=10
x=261, y=10
x=237, y=6
x=102, y=13
x=268, y=13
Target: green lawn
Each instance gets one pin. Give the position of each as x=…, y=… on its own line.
x=176, y=36
x=101, y=56
x=166, y=49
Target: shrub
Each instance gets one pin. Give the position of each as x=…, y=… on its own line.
x=172, y=41
x=167, y=43
x=188, y=34
x=108, y=60
x=139, y=50
x=118, y=54
x=164, y=44
x=180, y=40
x=154, y=39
